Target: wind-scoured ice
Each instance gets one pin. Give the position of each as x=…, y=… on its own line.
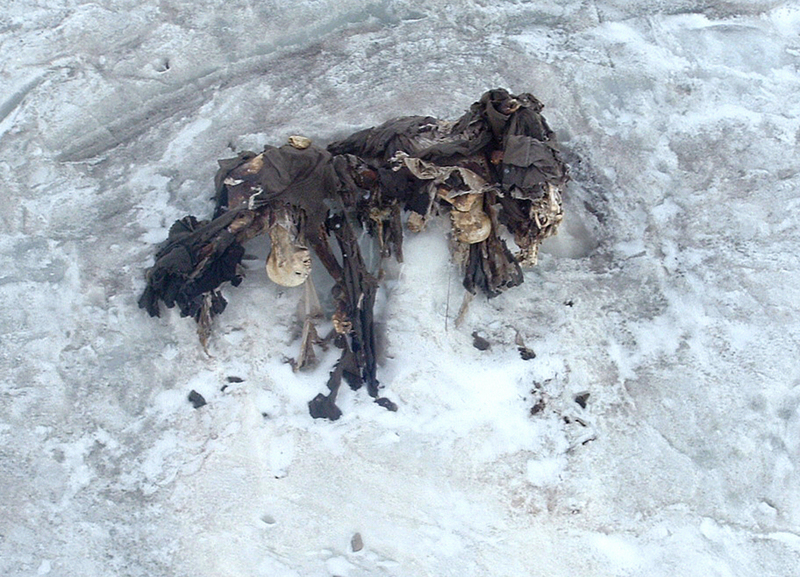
x=669, y=296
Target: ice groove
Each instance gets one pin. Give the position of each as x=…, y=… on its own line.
x=199, y=89
x=10, y=104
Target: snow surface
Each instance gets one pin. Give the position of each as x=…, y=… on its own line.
x=670, y=296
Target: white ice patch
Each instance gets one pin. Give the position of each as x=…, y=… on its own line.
x=545, y=471
x=186, y=138
x=621, y=553
x=281, y=453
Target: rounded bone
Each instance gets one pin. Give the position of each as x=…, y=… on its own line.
x=288, y=264
x=471, y=227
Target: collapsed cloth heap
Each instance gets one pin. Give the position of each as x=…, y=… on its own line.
x=496, y=167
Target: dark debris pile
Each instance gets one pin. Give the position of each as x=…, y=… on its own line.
x=497, y=167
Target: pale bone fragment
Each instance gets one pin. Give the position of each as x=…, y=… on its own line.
x=253, y=165
x=528, y=255
x=310, y=306
x=461, y=202
x=288, y=263
x=547, y=212
x=310, y=310
x=462, y=311
x=341, y=324
x=416, y=222
x=299, y=142
x=204, y=322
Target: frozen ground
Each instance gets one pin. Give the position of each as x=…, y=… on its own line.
x=670, y=297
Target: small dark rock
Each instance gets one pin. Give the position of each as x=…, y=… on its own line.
x=538, y=407
x=479, y=342
x=235, y=380
x=569, y=303
x=387, y=404
x=356, y=543
x=323, y=407
x=526, y=353
x=196, y=399
x=581, y=399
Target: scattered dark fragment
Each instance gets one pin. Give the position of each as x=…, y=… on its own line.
x=526, y=353
x=479, y=342
x=387, y=404
x=196, y=399
x=538, y=407
x=491, y=267
x=235, y=380
x=323, y=407
x=223, y=388
x=569, y=303
x=581, y=399
x=356, y=543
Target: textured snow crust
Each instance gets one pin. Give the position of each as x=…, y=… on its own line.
x=670, y=297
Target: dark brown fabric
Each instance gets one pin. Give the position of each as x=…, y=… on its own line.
x=226, y=166
x=289, y=177
x=384, y=141
x=197, y=258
